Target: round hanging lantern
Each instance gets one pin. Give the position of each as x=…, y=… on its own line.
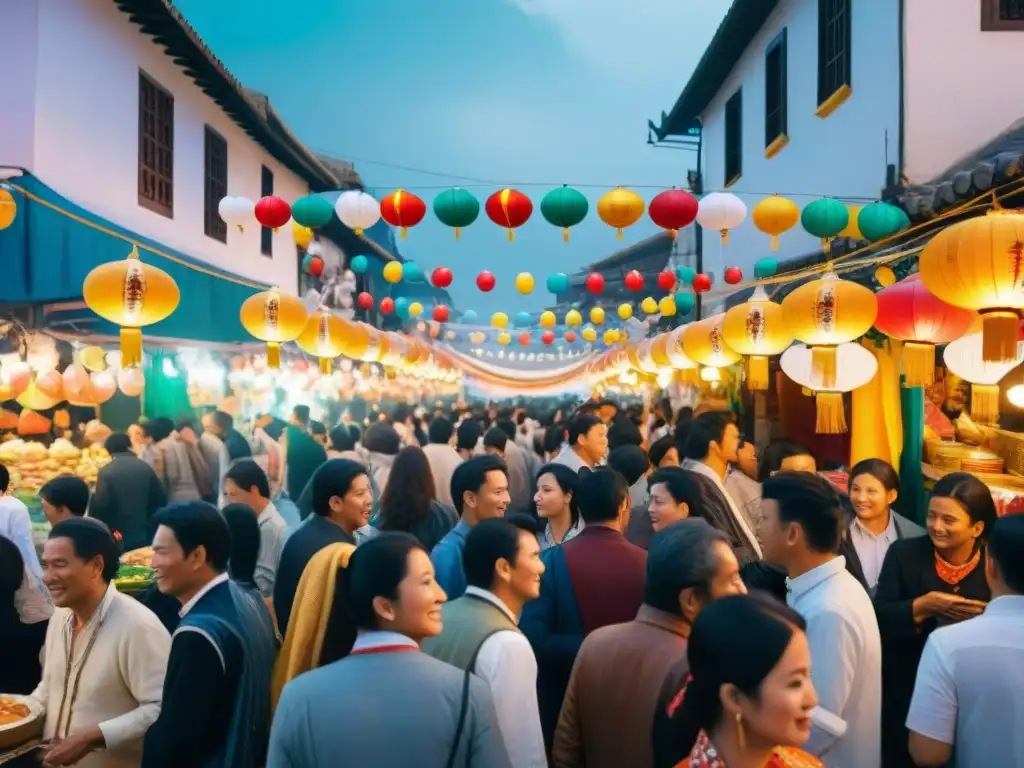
x=360, y=341
x=589, y=334
x=676, y=355
x=441, y=277
x=825, y=219
x=684, y=302
x=440, y=313
x=322, y=337
x=573, y=318
x=879, y=221
x=775, y=215
x=597, y=315
x=704, y=343
x=402, y=209
x=667, y=306
x=303, y=235
x=852, y=231
x=686, y=275
x=673, y=209
x=312, y=211
x=979, y=264
x=885, y=277
x=312, y=265
x=364, y=300
x=470, y=316
x=610, y=337
x=620, y=208
x=633, y=281
x=359, y=265
x=402, y=307
x=564, y=207
x=570, y=337
x=548, y=319
x=415, y=309
x=524, y=283
x=387, y=305
x=625, y=311
x=235, y=211
x=666, y=280
x=524, y=339
x=130, y=294
x=504, y=338
x=92, y=358
x=272, y=212
x=825, y=313
x=547, y=338
x=8, y=208
x=523, y=320
x=131, y=381
x=733, y=275
x=357, y=210
x=275, y=318
x=456, y=208
x=909, y=312
x=393, y=271
x=857, y=367
x=558, y=283
x=499, y=320
x=76, y=382
x=965, y=358
x=649, y=305
x=485, y=281
x=595, y=283
x=757, y=329
x=509, y=208
x=702, y=283
x=722, y=211
x=412, y=272
x=765, y=267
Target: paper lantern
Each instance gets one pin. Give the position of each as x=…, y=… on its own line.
x=360, y=341
x=659, y=352
x=825, y=219
x=775, y=215
x=504, y=338
x=825, y=313
x=589, y=334
x=558, y=283
x=879, y=221
x=469, y=317
x=666, y=280
x=131, y=381
x=8, y=208
x=548, y=319
x=15, y=378
x=852, y=231
x=393, y=272
x=50, y=384
x=909, y=312
x=412, y=272
x=441, y=277
x=275, y=318
x=456, y=208
x=477, y=337
x=633, y=281
x=499, y=320
x=702, y=283
x=564, y=207
x=856, y=365
x=667, y=306
x=102, y=387
x=884, y=276
x=357, y=210
x=415, y=309
x=686, y=275
x=597, y=315
x=440, y=313
x=573, y=318
x=523, y=320
x=620, y=208
x=524, y=283
x=303, y=235
x=272, y=212
x=676, y=354
x=610, y=337
x=130, y=294
x=704, y=343
x=509, y=208
x=684, y=302
x=235, y=211
x=595, y=283
x=485, y=281
x=722, y=211
x=359, y=265
x=402, y=209
x=76, y=381
x=387, y=305
x=402, y=307
x=649, y=305
x=322, y=338
x=364, y=300
x=570, y=337
x=733, y=275
x=979, y=264
x=765, y=267
x=548, y=338
x=312, y=211
x=524, y=339
x=312, y=265
x=625, y=311
x=757, y=329
x=673, y=209
x=965, y=358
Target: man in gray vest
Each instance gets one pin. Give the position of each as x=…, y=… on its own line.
x=502, y=563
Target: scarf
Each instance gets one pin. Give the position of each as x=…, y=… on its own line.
x=311, y=611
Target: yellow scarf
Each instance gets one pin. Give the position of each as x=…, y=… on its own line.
x=307, y=625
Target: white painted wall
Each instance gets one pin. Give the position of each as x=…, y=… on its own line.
x=18, y=25
x=844, y=155
x=86, y=138
x=948, y=57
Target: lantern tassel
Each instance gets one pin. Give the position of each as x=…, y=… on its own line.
x=240, y=227
x=511, y=235
x=618, y=234
x=273, y=355
x=823, y=367
x=359, y=231
x=985, y=403
x=918, y=364
x=673, y=233
x=131, y=347
x=326, y=366
x=458, y=232
x=826, y=245
x=999, y=335
x=775, y=242
x=757, y=373
x=831, y=414
x=565, y=234
x=725, y=236
x=404, y=232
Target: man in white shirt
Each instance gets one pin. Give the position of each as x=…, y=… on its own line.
x=502, y=563
x=443, y=459
x=801, y=527
x=971, y=675
x=246, y=483
x=586, y=443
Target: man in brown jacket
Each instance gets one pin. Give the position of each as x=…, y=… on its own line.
x=608, y=713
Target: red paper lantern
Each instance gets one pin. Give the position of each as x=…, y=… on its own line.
x=595, y=283
x=441, y=313
x=548, y=337
x=524, y=339
x=733, y=275
x=403, y=210
x=666, y=280
x=314, y=265
x=702, y=283
x=364, y=301
x=272, y=212
x=441, y=277
x=485, y=281
x=634, y=281
x=908, y=311
x=387, y=306
x=570, y=336
x=509, y=208
x=673, y=209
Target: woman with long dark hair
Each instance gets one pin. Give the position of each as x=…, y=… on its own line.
x=410, y=504
x=555, y=501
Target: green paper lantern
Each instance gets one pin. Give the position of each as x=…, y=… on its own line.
x=881, y=220
x=825, y=218
x=456, y=208
x=312, y=211
x=684, y=303
x=564, y=207
x=766, y=267
x=686, y=275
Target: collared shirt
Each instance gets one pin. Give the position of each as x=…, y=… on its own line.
x=701, y=468
x=570, y=458
x=273, y=534
x=871, y=549
x=215, y=581
x=547, y=540
x=969, y=684
x=447, y=559
x=366, y=641
x=746, y=495
x=507, y=664
x=844, y=641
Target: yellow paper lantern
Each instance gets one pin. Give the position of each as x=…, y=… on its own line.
x=393, y=272
x=649, y=305
x=757, y=329
x=885, y=276
x=548, y=319
x=589, y=334
x=504, y=338
x=323, y=337
x=659, y=351
x=775, y=215
x=499, y=320
x=275, y=318
x=303, y=235
x=597, y=315
x=667, y=306
x=8, y=208
x=852, y=230
x=979, y=264
x=825, y=313
x=524, y=282
x=625, y=311
x=610, y=336
x=415, y=309
x=357, y=341
x=620, y=208
x=132, y=295
x=704, y=343
x=573, y=318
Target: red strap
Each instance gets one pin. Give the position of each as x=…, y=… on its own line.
x=383, y=649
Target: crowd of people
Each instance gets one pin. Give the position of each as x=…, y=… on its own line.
x=603, y=586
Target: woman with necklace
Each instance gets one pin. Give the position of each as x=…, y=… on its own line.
x=925, y=583
x=556, y=505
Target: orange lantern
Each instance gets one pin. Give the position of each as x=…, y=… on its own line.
x=323, y=337
x=273, y=317
x=620, y=208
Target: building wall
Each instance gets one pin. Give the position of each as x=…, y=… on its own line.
x=844, y=155
x=949, y=57
x=86, y=138
x=18, y=40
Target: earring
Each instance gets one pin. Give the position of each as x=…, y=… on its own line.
x=740, y=735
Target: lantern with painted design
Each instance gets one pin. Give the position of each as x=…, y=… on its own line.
x=323, y=337
x=757, y=330
x=704, y=343
x=275, y=318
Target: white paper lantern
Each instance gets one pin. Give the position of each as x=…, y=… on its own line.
x=855, y=367
x=357, y=210
x=237, y=211
x=722, y=211
x=964, y=358
x=131, y=381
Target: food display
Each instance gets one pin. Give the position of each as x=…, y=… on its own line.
x=21, y=720
x=12, y=710
x=135, y=573
x=32, y=464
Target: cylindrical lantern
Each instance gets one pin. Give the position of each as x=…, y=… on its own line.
x=323, y=338
x=775, y=215
x=509, y=208
x=965, y=357
x=757, y=330
x=564, y=207
x=721, y=211
x=620, y=208
x=402, y=209
x=357, y=210
x=857, y=367
x=274, y=317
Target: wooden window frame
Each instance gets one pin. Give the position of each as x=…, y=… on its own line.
x=776, y=121
x=154, y=203
x=215, y=186
x=992, y=21
x=734, y=154
x=266, y=234
x=835, y=90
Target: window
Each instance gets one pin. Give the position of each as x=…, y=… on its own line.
x=156, y=147
x=266, y=235
x=1002, y=15
x=775, y=101
x=215, y=184
x=734, y=137
x=833, y=49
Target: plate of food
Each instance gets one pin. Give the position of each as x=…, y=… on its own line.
x=133, y=578
x=21, y=719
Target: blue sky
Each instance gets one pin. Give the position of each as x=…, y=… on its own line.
x=479, y=94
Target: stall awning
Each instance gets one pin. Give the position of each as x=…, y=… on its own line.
x=53, y=244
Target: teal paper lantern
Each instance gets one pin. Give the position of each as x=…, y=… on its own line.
x=312, y=211
x=686, y=275
x=558, y=282
x=470, y=316
x=766, y=267
x=684, y=303
x=881, y=220
x=564, y=207
x=412, y=272
x=825, y=218
x=523, y=320
x=359, y=265
x=402, y=307
x=456, y=208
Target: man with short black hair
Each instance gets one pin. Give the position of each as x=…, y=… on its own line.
x=443, y=459
x=467, y=439
x=586, y=443
x=246, y=483
x=64, y=497
x=495, y=441
x=481, y=634
x=520, y=477
x=128, y=494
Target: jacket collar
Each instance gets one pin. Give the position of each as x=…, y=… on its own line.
x=663, y=620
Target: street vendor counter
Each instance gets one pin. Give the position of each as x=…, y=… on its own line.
x=1007, y=490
